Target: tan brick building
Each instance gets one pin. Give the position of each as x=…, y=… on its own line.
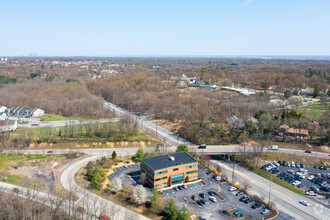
x=169, y=169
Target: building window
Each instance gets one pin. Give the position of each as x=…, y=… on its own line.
x=145, y=167
x=159, y=173
x=160, y=185
x=163, y=178
x=175, y=169
x=195, y=171
x=193, y=177
x=188, y=167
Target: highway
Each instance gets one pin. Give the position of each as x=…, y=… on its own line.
x=285, y=200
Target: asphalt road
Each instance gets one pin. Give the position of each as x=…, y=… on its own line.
x=36, y=121
x=105, y=206
x=285, y=200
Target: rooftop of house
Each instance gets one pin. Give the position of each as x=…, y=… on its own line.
x=168, y=160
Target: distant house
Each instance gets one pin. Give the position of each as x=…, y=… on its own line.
x=300, y=133
x=304, y=92
x=8, y=125
x=233, y=121
x=24, y=112
x=184, y=78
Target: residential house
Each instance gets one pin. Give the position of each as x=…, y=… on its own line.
x=8, y=125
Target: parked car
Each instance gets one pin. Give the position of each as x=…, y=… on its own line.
x=293, y=164
x=200, y=202
x=238, y=213
x=232, y=188
x=193, y=197
x=185, y=186
x=264, y=211
x=208, y=172
x=213, y=199
x=176, y=188
x=310, y=177
x=211, y=193
x=125, y=166
x=325, y=168
x=310, y=193
x=202, y=195
x=216, y=178
x=320, y=167
x=244, y=198
x=315, y=166
x=303, y=202
x=256, y=205
x=239, y=193
x=301, y=165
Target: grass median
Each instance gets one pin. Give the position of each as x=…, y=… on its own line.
x=265, y=174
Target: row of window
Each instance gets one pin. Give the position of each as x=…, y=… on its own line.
x=163, y=178
x=160, y=185
x=195, y=171
x=159, y=173
x=146, y=168
x=193, y=177
x=188, y=167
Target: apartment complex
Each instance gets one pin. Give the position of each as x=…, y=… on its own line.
x=169, y=169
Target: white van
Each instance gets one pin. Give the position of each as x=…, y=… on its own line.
x=273, y=147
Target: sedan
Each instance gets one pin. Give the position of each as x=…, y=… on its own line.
x=211, y=193
x=256, y=205
x=202, y=195
x=264, y=211
x=239, y=193
x=232, y=188
x=303, y=202
x=213, y=199
x=193, y=197
x=308, y=151
x=310, y=177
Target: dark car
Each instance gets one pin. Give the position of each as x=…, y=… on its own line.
x=202, y=146
x=239, y=193
x=244, y=198
x=202, y=195
x=200, y=202
x=320, y=167
x=176, y=188
x=256, y=205
x=180, y=187
x=249, y=200
x=211, y=193
x=301, y=165
x=325, y=168
x=327, y=197
x=315, y=166
x=238, y=213
x=208, y=172
x=193, y=197
x=49, y=152
x=308, y=151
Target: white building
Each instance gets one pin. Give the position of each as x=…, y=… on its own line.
x=8, y=125
x=38, y=112
x=2, y=109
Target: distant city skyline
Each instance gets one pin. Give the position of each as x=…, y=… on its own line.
x=215, y=28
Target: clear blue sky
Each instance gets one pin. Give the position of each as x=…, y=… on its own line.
x=164, y=27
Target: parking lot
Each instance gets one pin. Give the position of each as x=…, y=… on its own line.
x=212, y=210
x=308, y=178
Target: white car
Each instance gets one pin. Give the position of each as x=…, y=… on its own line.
x=292, y=164
x=264, y=211
x=311, y=193
x=303, y=202
x=310, y=177
x=232, y=188
x=213, y=199
x=269, y=167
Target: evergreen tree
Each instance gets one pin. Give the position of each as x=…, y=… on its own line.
x=114, y=155
x=172, y=210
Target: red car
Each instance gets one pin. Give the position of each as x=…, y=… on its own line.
x=104, y=217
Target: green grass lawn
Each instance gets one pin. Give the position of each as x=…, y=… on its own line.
x=265, y=174
x=79, y=133
x=19, y=159
x=51, y=117
x=314, y=110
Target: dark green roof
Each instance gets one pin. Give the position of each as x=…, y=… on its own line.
x=164, y=161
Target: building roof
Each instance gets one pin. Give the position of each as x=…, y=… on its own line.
x=164, y=161
x=298, y=131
